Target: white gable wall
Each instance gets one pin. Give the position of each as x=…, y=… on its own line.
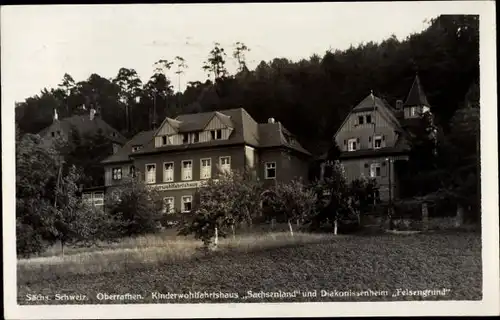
x=352, y=129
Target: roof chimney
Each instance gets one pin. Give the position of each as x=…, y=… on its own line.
x=271, y=120
x=399, y=105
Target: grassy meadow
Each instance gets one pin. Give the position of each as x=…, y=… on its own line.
x=261, y=262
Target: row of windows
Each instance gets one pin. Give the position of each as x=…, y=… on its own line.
x=187, y=170
x=169, y=204
x=413, y=112
x=353, y=143
x=364, y=119
x=192, y=137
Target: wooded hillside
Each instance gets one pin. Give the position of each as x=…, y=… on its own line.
x=310, y=97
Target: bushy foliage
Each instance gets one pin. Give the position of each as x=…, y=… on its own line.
x=364, y=194
x=29, y=241
x=171, y=219
x=36, y=171
x=333, y=201
x=222, y=204
x=86, y=152
x=75, y=221
x=49, y=207
x=138, y=207
x=294, y=200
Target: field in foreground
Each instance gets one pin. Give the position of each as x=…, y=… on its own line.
x=349, y=268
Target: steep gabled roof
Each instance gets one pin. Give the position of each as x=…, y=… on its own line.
x=172, y=122
x=84, y=125
x=416, y=96
x=225, y=119
x=123, y=154
x=371, y=103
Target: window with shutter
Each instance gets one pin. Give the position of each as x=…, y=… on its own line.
x=375, y=170
x=352, y=145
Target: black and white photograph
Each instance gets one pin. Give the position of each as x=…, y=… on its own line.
x=231, y=160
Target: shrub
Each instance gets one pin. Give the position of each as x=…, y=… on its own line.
x=28, y=240
x=293, y=201
x=169, y=220
x=221, y=205
x=137, y=207
x=333, y=198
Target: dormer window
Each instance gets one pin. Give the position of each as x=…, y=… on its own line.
x=136, y=148
x=216, y=134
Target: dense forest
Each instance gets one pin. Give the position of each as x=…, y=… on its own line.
x=310, y=97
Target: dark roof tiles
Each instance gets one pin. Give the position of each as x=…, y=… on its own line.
x=246, y=131
x=84, y=125
x=124, y=152
x=416, y=96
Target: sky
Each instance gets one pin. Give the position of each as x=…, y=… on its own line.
x=39, y=44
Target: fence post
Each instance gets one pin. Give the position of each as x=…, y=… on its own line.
x=459, y=218
x=425, y=217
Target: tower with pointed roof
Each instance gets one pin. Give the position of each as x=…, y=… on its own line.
x=416, y=102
